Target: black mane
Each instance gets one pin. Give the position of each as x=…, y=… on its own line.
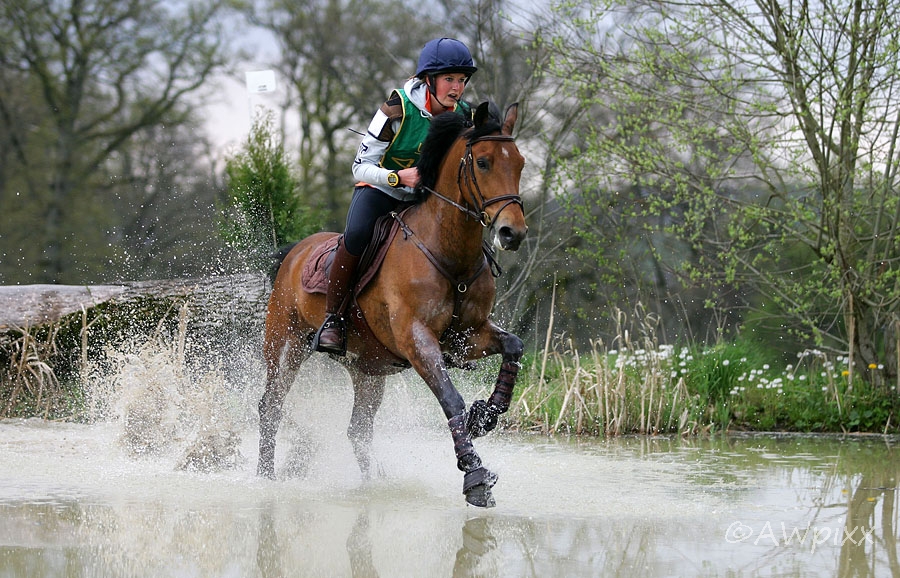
x=445, y=129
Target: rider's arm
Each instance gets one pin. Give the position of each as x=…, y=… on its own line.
x=381, y=132
x=367, y=164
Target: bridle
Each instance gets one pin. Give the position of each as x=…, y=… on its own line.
x=468, y=185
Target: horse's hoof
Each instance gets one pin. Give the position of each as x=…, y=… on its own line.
x=266, y=473
x=477, y=486
x=481, y=497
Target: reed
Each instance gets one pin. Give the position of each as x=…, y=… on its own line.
x=628, y=388
x=28, y=384
x=638, y=385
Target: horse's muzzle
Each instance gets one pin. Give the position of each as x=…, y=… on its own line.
x=509, y=237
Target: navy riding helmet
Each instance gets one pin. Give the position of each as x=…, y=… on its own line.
x=445, y=55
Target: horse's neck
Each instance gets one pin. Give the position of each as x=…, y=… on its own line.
x=451, y=232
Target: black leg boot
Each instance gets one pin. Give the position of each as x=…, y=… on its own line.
x=482, y=417
x=478, y=480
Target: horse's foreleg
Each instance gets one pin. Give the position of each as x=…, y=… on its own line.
x=483, y=415
x=478, y=480
x=429, y=363
x=368, y=392
x=280, y=373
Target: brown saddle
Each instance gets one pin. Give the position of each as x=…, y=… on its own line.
x=314, y=279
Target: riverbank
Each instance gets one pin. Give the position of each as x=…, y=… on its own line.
x=696, y=390
x=55, y=340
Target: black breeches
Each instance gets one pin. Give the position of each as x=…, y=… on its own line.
x=367, y=204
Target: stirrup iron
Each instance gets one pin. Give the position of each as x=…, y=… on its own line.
x=332, y=321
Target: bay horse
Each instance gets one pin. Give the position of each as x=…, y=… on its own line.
x=428, y=305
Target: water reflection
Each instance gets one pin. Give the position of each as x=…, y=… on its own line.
x=477, y=542
x=871, y=525
x=738, y=506
x=267, y=558
x=359, y=548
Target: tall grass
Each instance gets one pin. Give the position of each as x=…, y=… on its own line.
x=638, y=385
x=626, y=387
x=28, y=384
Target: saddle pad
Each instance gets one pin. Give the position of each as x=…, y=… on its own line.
x=314, y=277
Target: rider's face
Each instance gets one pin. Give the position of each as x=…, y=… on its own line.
x=449, y=87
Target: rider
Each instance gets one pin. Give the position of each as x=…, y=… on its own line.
x=385, y=166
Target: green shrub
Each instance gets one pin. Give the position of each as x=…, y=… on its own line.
x=645, y=387
x=264, y=211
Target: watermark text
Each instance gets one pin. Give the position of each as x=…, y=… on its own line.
x=781, y=534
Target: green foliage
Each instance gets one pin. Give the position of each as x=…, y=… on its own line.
x=264, y=211
x=817, y=394
x=694, y=389
x=755, y=182
x=713, y=373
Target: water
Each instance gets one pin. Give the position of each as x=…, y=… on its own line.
x=99, y=499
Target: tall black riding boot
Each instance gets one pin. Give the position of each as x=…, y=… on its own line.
x=332, y=336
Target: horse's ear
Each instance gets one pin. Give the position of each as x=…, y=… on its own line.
x=512, y=113
x=482, y=113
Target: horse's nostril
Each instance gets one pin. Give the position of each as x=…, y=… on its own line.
x=509, y=238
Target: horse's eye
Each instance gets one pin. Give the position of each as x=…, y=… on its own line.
x=483, y=164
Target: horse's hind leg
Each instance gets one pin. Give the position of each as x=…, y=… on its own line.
x=282, y=363
x=368, y=393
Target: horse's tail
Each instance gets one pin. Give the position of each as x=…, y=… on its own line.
x=277, y=258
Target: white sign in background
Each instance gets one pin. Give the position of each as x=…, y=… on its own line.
x=261, y=86
x=260, y=81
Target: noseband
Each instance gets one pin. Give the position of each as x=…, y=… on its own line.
x=468, y=186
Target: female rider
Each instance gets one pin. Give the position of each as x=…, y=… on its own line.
x=385, y=167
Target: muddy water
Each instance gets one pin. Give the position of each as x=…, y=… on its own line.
x=79, y=500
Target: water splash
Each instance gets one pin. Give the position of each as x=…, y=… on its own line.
x=170, y=397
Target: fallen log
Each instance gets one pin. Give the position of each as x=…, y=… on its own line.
x=215, y=300
x=64, y=325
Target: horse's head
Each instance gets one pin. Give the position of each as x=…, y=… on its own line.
x=490, y=174
x=485, y=185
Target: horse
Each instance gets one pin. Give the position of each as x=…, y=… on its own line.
x=427, y=305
